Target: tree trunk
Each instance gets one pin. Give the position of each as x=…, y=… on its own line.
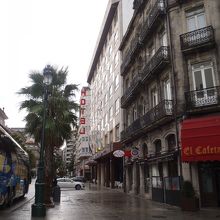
x=48, y=176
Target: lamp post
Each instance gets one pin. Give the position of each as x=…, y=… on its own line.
x=38, y=208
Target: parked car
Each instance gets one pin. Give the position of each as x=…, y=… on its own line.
x=69, y=183
x=79, y=179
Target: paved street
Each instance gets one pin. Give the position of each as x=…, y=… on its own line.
x=103, y=204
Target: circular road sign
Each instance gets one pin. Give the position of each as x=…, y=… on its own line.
x=119, y=153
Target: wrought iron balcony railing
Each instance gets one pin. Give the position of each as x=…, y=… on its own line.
x=131, y=130
x=158, y=61
x=198, y=38
x=131, y=91
x=157, y=10
x=161, y=111
x=125, y=62
x=134, y=46
x=202, y=98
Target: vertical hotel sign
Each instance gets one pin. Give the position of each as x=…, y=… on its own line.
x=83, y=110
x=200, y=139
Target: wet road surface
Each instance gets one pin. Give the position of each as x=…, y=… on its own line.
x=96, y=203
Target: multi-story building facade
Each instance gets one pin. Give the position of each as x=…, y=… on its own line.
x=83, y=148
x=105, y=84
x=170, y=69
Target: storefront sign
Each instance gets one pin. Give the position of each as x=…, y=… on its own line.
x=200, y=139
x=118, y=153
x=134, y=152
x=127, y=153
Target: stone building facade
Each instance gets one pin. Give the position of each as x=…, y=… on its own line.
x=170, y=69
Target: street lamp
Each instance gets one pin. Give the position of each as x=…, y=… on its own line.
x=38, y=208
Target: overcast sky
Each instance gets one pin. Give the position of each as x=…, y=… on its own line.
x=39, y=32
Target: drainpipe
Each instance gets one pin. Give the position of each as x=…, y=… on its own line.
x=173, y=78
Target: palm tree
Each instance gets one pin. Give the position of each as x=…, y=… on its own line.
x=60, y=115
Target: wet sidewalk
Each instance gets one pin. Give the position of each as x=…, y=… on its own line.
x=96, y=203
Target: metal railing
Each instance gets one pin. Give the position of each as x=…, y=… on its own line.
x=130, y=130
x=131, y=89
x=162, y=110
x=197, y=38
x=134, y=45
x=203, y=97
x=157, y=10
x=161, y=57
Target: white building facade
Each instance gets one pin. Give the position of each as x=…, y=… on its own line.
x=105, y=84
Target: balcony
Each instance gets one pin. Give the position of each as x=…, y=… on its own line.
x=157, y=11
x=131, y=91
x=157, y=62
x=158, y=115
x=125, y=62
x=203, y=99
x=132, y=130
x=201, y=38
x=134, y=46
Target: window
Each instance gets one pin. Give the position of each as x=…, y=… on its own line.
x=171, y=141
x=116, y=59
x=154, y=97
x=196, y=19
x=110, y=50
x=111, y=113
x=111, y=136
x=167, y=90
x=158, y=146
x=117, y=133
x=110, y=91
x=163, y=38
x=106, y=119
x=116, y=37
x=134, y=113
x=204, y=84
x=116, y=82
x=106, y=98
x=203, y=76
x=110, y=69
x=117, y=106
x=145, y=150
x=151, y=51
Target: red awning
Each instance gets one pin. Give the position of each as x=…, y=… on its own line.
x=200, y=139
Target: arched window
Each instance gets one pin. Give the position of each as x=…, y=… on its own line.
x=145, y=150
x=158, y=146
x=171, y=141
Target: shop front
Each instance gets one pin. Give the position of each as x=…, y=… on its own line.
x=200, y=139
x=165, y=178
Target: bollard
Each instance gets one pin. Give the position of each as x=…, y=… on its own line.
x=56, y=194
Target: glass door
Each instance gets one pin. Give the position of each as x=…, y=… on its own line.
x=208, y=190
x=204, y=83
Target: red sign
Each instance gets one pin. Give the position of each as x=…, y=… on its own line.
x=82, y=121
x=127, y=153
x=200, y=139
